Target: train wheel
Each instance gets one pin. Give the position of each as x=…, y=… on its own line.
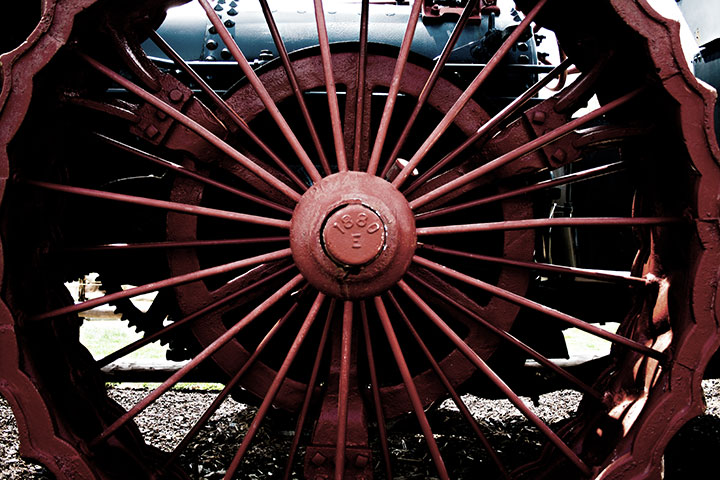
x=349, y=235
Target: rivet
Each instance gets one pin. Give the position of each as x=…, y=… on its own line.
x=151, y=131
x=559, y=155
x=211, y=44
x=176, y=95
x=160, y=115
x=218, y=8
x=212, y=30
x=232, y=12
x=229, y=23
x=318, y=459
x=225, y=54
x=538, y=118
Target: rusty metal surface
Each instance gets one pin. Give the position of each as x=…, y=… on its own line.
x=253, y=233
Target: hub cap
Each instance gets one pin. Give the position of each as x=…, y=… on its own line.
x=353, y=235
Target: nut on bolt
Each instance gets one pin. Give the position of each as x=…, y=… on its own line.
x=176, y=95
x=318, y=459
x=361, y=461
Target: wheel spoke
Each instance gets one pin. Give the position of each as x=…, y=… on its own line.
x=261, y=91
x=471, y=355
x=343, y=390
x=524, y=302
x=229, y=386
x=375, y=386
x=222, y=105
x=523, y=150
x=491, y=126
x=120, y=247
x=360, y=89
x=309, y=391
x=292, y=78
x=541, y=359
x=411, y=389
x=394, y=88
x=203, y=132
x=330, y=86
x=450, y=389
x=164, y=204
x=550, y=222
x=138, y=344
x=170, y=282
x=555, y=182
x=275, y=386
x=430, y=83
x=466, y=96
x=194, y=175
x=216, y=345
x=604, y=275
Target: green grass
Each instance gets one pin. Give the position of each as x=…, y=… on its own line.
x=103, y=337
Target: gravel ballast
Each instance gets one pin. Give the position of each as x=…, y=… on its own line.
x=165, y=422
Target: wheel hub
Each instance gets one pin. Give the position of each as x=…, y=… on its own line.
x=353, y=235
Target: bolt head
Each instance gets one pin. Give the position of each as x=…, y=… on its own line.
x=176, y=95
x=318, y=459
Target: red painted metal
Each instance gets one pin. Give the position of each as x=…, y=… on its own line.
x=556, y=182
x=507, y=391
x=451, y=390
x=394, y=89
x=646, y=395
x=523, y=150
x=324, y=41
x=194, y=175
x=261, y=91
x=309, y=391
x=202, y=356
x=520, y=300
x=148, y=339
x=110, y=247
x=491, y=126
x=411, y=388
x=227, y=389
x=170, y=282
x=551, y=222
x=360, y=92
x=320, y=223
x=375, y=387
x=292, y=78
x=343, y=390
x=275, y=386
x=461, y=102
x=195, y=127
x=467, y=11
x=163, y=204
x=223, y=106
x=541, y=359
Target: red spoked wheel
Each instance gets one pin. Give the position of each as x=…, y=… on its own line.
x=348, y=235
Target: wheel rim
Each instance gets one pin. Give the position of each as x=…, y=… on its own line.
x=408, y=279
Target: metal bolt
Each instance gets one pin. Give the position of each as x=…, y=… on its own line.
x=225, y=54
x=212, y=30
x=160, y=115
x=229, y=23
x=211, y=44
x=176, y=95
x=218, y=8
x=318, y=459
x=151, y=131
x=559, y=155
x=361, y=461
x=538, y=118
x=232, y=12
